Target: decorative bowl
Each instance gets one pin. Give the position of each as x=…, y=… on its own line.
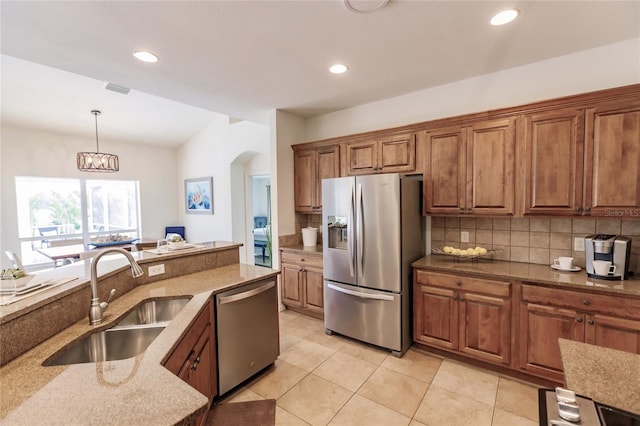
x=176, y=244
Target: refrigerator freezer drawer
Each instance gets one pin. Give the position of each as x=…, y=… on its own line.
x=367, y=315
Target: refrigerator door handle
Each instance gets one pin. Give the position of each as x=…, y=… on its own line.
x=350, y=228
x=360, y=231
x=361, y=295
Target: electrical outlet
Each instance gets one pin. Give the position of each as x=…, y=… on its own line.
x=464, y=237
x=578, y=244
x=156, y=270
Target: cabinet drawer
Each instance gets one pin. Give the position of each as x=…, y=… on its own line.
x=476, y=285
x=314, y=261
x=186, y=344
x=582, y=301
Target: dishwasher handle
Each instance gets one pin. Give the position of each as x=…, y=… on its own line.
x=245, y=294
x=359, y=294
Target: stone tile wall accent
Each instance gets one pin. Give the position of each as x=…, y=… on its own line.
x=302, y=221
x=532, y=240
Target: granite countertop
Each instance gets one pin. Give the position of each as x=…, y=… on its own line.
x=529, y=272
x=80, y=272
x=605, y=375
x=132, y=391
x=299, y=248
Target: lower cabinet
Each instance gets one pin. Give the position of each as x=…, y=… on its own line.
x=473, y=317
x=302, y=282
x=547, y=314
x=193, y=359
x=463, y=314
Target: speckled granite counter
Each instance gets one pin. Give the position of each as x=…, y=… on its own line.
x=606, y=375
x=299, y=248
x=132, y=391
x=529, y=272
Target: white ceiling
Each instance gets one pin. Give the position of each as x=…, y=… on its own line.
x=245, y=58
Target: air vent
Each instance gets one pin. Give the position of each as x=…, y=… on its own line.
x=117, y=88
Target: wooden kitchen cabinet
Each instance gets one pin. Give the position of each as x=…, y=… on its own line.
x=463, y=314
x=194, y=357
x=392, y=154
x=553, y=148
x=470, y=169
x=547, y=314
x=302, y=282
x=612, y=159
x=310, y=167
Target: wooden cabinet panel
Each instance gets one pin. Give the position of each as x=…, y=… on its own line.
x=435, y=317
x=471, y=169
x=313, y=290
x=328, y=166
x=540, y=328
x=445, y=181
x=194, y=358
x=309, y=168
x=450, y=316
x=612, y=159
x=490, y=167
x=485, y=328
x=291, y=285
x=302, y=282
x=393, y=154
x=362, y=157
x=615, y=333
x=304, y=180
x=397, y=154
x=553, y=162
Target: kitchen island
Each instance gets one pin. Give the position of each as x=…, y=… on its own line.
x=132, y=391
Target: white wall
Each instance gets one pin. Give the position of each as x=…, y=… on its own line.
x=29, y=153
x=605, y=67
x=259, y=194
x=211, y=153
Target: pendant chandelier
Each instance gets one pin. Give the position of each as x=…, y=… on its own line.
x=97, y=161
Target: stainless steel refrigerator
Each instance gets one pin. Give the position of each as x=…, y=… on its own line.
x=372, y=230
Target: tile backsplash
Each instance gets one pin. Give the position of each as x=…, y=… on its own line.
x=532, y=240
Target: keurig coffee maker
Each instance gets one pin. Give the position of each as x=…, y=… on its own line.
x=607, y=256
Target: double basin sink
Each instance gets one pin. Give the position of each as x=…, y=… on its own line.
x=130, y=336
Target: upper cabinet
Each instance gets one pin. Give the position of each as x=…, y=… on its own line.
x=393, y=154
x=612, y=159
x=552, y=163
x=578, y=162
x=310, y=167
x=470, y=169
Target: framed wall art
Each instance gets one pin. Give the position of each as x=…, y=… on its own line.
x=198, y=194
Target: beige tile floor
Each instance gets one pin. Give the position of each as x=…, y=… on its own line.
x=332, y=380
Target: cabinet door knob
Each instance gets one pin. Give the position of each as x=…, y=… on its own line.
x=455, y=297
x=462, y=209
x=586, y=302
x=591, y=322
x=579, y=319
x=587, y=209
x=461, y=299
x=458, y=282
x=578, y=209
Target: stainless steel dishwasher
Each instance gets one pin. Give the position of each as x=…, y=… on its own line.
x=247, y=332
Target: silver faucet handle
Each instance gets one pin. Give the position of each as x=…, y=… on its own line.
x=103, y=305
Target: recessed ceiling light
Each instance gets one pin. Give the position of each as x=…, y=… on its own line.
x=505, y=17
x=338, y=68
x=146, y=56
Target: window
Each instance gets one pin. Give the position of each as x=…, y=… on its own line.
x=54, y=212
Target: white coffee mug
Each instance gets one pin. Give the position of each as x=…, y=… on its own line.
x=564, y=262
x=604, y=267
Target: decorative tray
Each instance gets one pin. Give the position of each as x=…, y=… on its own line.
x=488, y=255
x=113, y=243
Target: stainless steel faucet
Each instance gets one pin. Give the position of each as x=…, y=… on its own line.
x=97, y=308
